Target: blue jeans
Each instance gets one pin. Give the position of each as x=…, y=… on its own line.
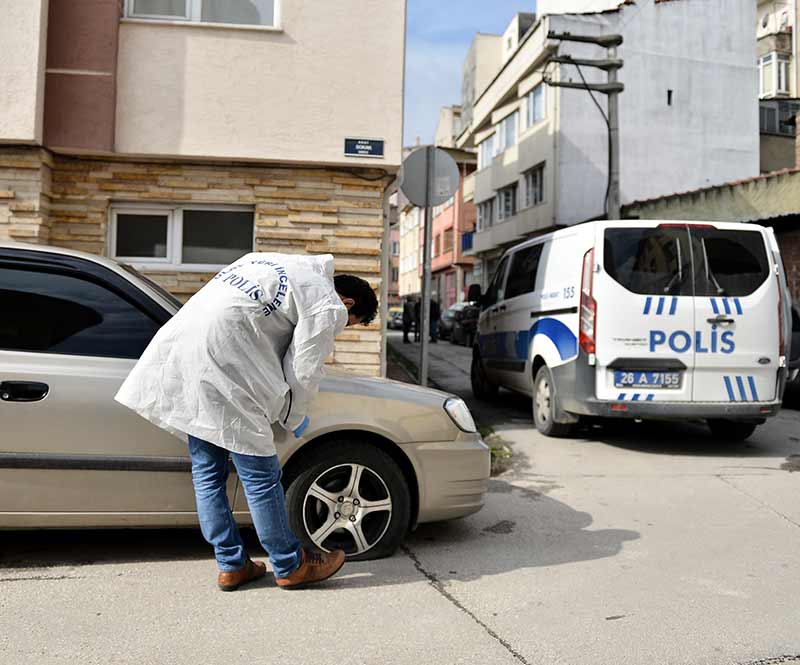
x=261, y=480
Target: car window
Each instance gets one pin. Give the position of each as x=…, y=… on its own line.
x=55, y=313
x=522, y=277
x=495, y=292
x=650, y=261
x=729, y=262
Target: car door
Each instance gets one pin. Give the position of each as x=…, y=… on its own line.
x=514, y=321
x=490, y=341
x=70, y=333
x=645, y=317
x=737, y=300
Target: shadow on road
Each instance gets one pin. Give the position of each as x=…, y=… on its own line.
x=521, y=527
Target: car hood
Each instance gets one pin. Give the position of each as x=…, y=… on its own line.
x=340, y=381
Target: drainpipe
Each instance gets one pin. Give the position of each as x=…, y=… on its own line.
x=794, y=89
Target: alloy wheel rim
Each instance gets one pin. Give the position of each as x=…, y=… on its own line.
x=543, y=401
x=348, y=507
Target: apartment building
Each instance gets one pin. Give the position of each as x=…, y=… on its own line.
x=176, y=135
x=777, y=48
x=542, y=151
x=393, y=290
x=411, y=226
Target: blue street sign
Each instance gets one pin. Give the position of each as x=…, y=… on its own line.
x=363, y=147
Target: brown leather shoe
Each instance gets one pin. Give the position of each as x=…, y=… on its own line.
x=314, y=567
x=230, y=580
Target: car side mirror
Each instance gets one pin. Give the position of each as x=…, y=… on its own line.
x=474, y=294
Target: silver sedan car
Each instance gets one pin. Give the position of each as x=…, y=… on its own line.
x=379, y=458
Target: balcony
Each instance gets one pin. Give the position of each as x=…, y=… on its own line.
x=466, y=241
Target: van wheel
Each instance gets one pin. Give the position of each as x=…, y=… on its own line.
x=482, y=387
x=731, y=430
x=544, y=406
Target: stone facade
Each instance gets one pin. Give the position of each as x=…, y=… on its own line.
x=65, y=201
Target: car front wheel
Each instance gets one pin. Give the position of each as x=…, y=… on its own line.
x=482, y=387
x=350, y=496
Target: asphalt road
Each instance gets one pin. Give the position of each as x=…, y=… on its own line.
x=639, y=544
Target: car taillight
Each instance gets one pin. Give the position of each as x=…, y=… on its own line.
x=588, y=318
x=781, y=336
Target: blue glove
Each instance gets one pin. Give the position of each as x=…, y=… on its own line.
x=301, y=428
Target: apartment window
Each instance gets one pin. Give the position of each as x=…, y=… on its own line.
x=535, y=106
x=237, y=12
x=486, y=152
x=774, y=71
x=507, y=132
x=768, y=117
x=506, y=202
x=534, y=186
x=485, y=215
x=395, y=248
x=447, y=241
x=395, y=274
x=437, y=245
x=201, y=237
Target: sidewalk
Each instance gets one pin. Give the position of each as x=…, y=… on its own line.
x=448, y=370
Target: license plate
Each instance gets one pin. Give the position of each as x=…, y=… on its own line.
x=637, y=379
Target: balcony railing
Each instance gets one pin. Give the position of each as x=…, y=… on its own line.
x=466, y=241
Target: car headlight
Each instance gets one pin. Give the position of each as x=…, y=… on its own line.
x=459, y=412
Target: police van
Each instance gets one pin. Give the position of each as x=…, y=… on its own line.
x=639, y=319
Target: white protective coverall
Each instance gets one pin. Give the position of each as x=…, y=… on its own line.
x=246, y=351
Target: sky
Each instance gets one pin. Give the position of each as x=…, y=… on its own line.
x=438, y=36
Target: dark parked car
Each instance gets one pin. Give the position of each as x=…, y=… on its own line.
x=448, y=317
x=465, y=324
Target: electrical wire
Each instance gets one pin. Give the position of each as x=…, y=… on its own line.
x=608, y=126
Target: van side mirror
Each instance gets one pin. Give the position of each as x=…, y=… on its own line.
x=474, y=294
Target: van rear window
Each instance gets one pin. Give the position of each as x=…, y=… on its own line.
x=729, y=262
x=651, y=261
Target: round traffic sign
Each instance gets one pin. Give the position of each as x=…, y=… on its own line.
x=443, y=174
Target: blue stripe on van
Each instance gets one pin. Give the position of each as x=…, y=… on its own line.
x=647, y=304
x=660, y=309
x=674, y=306
x=753, y=390
x=650, y=397
x=636, y=397
x=726, y=305
x=621, y=397
x=729, y=388
x=557, y=332
x=738, y=304
x=714, y=306
x=740, y=386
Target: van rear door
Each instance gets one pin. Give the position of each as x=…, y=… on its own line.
x=737, y=321
x=645, y=318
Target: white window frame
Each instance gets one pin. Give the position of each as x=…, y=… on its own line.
x=486, y=221
x=781, y=79
x=512, y=189
x=529, y=117
x=536, y=173
x=193, y=14
x=502, y=144
x=486, y=154
x=173, y=262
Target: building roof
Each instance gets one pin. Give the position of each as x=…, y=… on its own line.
x=733, y=183
x=763, y=197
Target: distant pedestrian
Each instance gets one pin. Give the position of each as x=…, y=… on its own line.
x=417, y=320
x=408, y=319
x=436, y=314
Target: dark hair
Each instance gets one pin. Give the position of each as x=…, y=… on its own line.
x=366, y=302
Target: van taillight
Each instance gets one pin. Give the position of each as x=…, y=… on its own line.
x=781, y=336
x=588, y=317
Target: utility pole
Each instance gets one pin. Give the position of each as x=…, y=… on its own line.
x=612, y=88
x=425, y=305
